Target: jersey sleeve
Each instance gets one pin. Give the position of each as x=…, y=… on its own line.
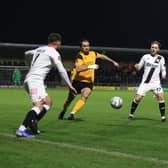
x=55, y=57
x=30, y=52
x=163, y=64
x=141, y=62
x=79, y=60
x=163, y=68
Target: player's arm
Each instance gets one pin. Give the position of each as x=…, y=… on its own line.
x=163, y=69
x=80, y=66
x=105, y=57
x=29, y=52
x=63, y=74
x=140, y=64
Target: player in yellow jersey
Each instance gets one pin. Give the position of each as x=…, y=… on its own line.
x=83, y=77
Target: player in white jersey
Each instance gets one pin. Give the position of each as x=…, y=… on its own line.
x=44, y=58
x=154, y=65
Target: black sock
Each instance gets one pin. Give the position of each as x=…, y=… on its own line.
x=162, y=108
x=42, y=114
x=68, y=102
x=31, y=115
x=134, y=106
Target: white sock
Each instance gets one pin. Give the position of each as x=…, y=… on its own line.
x=37, y=110
x=22, y=128
x=46, y=107
x=72, y=112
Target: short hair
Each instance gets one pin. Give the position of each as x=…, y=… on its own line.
x=156, y=42
x=53, y=37
x=83, y=40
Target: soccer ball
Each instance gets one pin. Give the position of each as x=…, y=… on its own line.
x=116, y=102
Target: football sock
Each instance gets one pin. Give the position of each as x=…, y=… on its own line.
x=22, y=128
x=43, y=112
x=162, y=108
x=68, y=102
x=134, y=106
x=80, y=103
x=31, y=116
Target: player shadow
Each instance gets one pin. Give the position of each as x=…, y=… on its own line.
x=141, y=118
x=124, y=125
x=76, y=120
x=145, y=119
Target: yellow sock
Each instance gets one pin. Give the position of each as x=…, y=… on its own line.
x=80, y=103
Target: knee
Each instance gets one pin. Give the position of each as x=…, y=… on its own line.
x=85, y=93
x=48, y=101
x=160, y=98
x=85, y=96
x=138, y=98
x=39, y=106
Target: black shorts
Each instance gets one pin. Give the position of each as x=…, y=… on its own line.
x=81, y=85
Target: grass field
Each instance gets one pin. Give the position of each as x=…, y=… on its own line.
x=100, y=137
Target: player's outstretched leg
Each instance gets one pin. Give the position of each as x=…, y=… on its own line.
x=134, y=106
x=80, y=103
x=66, y=105
x=160, y=98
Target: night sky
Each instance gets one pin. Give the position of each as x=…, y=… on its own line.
x=121, y=23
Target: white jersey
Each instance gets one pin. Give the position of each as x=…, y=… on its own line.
x=44, y=58
x=153, y=66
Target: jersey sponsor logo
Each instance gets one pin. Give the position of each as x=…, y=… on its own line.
x=152, y=70
x=151, y=65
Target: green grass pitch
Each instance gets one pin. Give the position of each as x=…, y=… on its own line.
x=101, y=137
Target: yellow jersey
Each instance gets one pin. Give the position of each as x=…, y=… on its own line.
x=83, y=59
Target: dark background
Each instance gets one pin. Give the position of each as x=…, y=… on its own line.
x=120, y=23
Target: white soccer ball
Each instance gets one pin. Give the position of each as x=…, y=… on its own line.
x=116, y=102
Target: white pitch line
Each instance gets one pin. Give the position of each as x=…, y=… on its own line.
x=101, y=151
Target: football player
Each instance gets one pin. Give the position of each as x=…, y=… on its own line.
x=153, y=65
x=44, y=58
x=83, y=77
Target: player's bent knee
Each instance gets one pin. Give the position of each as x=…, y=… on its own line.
x=160, y=98
x=39, y=105
x=85, y=95
x=48, y=101
x=138, y=98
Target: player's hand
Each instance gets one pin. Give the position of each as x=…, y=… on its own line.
x=116, y=64
x=94, y=66
x=73, y=90
x=136, y=66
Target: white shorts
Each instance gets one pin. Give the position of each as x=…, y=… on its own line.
x=36, y=90
x=146, y=87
